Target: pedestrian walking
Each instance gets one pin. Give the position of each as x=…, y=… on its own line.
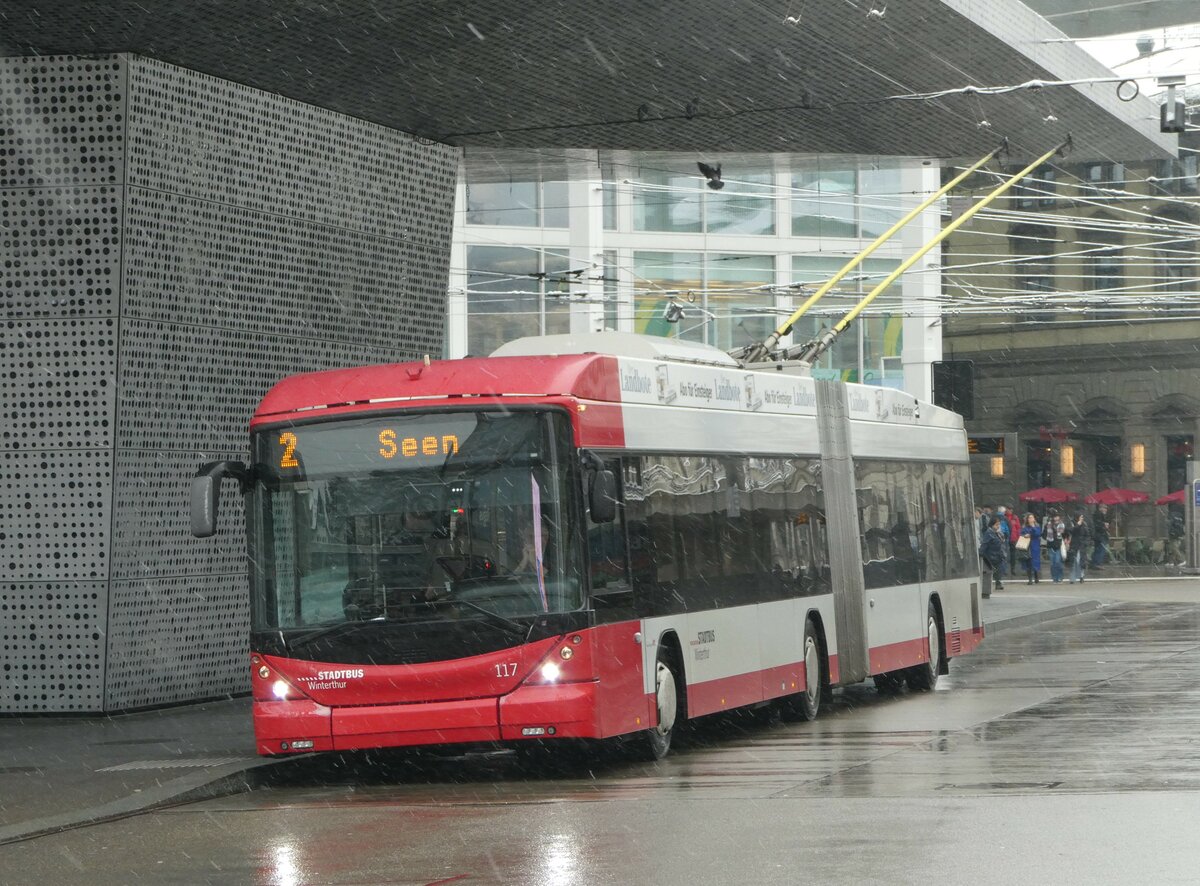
x=991, y=552
x=1099, y=536
x=1077, y=541
x=1053, y=529
x=1014, y=532
x=1003, y=531
x=1029, y=545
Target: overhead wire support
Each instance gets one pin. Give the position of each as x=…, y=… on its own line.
x=760, y=352
x=817, y=347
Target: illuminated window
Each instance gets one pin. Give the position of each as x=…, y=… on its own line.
x=997, y=465
x=1067, y=461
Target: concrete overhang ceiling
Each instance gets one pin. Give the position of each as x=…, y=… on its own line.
x=795, y=76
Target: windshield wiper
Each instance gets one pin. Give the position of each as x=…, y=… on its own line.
x=514, y=628
x=328, y=631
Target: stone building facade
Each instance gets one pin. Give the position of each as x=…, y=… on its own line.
x=1072, y=301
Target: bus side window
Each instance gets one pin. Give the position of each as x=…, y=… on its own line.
x=608, y=561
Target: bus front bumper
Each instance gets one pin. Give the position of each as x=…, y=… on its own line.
x=300, y=726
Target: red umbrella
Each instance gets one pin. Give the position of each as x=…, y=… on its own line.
x=1178, y=497
x=1048, y=495
x=1117, y=497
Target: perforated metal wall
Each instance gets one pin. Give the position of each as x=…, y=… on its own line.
x=178, y=243
x=52, y=645
x=62, y=156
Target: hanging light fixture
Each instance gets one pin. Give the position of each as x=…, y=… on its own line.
x=1066, y=460
x=1137, y=459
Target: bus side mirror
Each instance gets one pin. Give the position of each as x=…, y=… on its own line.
x=206, y=493
x=602, y=496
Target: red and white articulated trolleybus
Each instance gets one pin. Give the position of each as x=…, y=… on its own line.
x=590, y=537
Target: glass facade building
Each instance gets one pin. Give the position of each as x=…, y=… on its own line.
x=612, y=241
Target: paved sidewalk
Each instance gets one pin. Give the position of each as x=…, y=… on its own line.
x=63, y=772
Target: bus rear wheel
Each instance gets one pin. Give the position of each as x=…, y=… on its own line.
x=653, y=743
x=807, y=704
x=924, y=677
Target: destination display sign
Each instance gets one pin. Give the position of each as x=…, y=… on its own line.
x=985, y=445
x=397, y=442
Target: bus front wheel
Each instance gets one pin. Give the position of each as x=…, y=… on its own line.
x=653, y=743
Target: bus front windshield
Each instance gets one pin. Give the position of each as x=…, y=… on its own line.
x=413, y=518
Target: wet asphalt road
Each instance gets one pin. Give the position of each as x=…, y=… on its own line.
x=1069, y=752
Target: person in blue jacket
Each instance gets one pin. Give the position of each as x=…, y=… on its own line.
x=1033, y=553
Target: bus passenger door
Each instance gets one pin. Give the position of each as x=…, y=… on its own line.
x=620, y=697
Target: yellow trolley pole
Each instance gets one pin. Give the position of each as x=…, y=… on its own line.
x=817, y=348
x=761, y=351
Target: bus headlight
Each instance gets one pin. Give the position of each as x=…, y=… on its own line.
x=281, y=690
x=550, y=672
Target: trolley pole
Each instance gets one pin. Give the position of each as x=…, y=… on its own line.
x=761, y=351
x=815, y=348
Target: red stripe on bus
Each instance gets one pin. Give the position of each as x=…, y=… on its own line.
x=724, y=693
x=894, y=656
